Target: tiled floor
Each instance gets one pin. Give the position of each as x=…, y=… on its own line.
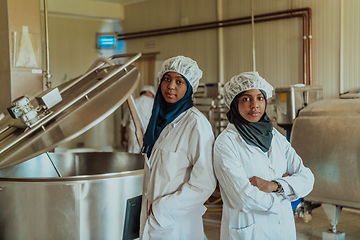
x=349, y=223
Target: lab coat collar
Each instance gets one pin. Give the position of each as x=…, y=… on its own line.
x=165, y=132
x=254, y=149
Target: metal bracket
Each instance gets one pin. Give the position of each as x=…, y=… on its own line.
x=333, y=214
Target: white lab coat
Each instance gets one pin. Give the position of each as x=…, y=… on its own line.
x=248, y=213
x=144, y=106
x=178, y=179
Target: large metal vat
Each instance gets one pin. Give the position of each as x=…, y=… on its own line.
x=70, y=195
x=326, y=135
x=88, y=201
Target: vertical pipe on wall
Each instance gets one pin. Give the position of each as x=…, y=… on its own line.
x=304, y=49
x=47, y=72
x=341, y=90
x=253, y=34
x=220, y=43
x=310, y=44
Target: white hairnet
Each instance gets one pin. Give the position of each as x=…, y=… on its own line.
x=148, y=88
x=185, y=66
x=243, y=82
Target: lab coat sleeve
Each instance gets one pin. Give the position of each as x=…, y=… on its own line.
x=190, y=197
x=236, y=187
x=301, y=181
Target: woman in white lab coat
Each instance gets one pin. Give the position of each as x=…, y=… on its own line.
x=178, y=147
x=259, y=173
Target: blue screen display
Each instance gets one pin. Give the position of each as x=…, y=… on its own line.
x=107, y=41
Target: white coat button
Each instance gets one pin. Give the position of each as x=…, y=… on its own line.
x=280, y=222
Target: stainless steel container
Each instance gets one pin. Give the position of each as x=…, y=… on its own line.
x=69, y=196
x=326, y=135
x=290, y=100
x=89, y=201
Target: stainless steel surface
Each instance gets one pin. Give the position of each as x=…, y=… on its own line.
x=326, y=135
x=88, y=202
x=291, y=99
x=333, y=213
x=217, y=116
x=328, y=235
x=69, y=195
x=209, y=100
x=207, y=90
x=86, y=101
x=49, y=98
x=98, y=65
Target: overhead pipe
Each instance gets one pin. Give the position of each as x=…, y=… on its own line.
x=241, y=21
x=203, y=26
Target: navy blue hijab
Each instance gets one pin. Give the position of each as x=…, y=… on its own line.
x=254, y=133
x=164, y=113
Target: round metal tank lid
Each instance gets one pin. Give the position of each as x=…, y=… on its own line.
x=86, y=101
x=350, y=95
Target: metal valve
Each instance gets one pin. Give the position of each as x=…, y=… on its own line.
x=23, y=109
x=29, y=115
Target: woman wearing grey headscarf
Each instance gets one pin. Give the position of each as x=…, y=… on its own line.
x=259, y=173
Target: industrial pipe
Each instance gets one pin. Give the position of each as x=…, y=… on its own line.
x=253, y=34
x=47, y=72
x=310, y=45
x=240, y=21
x=220, y=43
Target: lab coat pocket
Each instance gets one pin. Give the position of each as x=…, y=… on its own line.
x=241, y=225
x=242, y=233
x=157, y=232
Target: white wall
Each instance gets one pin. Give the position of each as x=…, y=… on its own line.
x=155, y=14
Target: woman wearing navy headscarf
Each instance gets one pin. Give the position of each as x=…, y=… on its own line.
x=178, y=142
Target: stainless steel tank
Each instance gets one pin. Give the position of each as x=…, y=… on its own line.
x=326, y=135
x=71, y=195
x=91, y=200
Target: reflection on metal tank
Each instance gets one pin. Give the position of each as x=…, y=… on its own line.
x=326, y=135
x=89, y=201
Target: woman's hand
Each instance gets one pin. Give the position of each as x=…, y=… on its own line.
x=263, y=185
